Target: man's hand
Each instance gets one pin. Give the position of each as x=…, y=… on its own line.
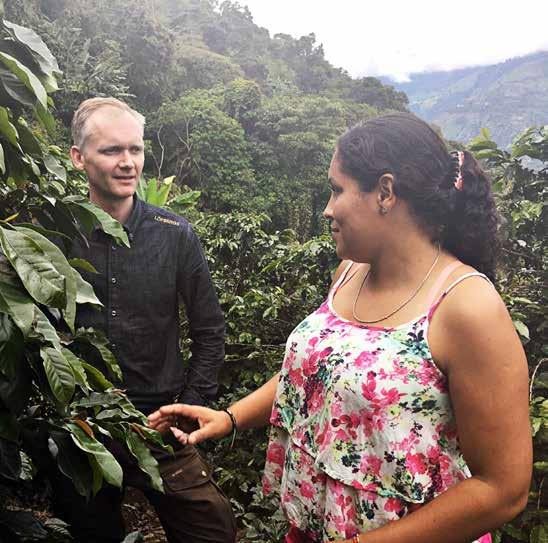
x=213, y=424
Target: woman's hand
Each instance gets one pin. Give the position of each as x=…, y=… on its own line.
x=213, y=424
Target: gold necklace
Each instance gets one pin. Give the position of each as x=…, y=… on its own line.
x=356, y=318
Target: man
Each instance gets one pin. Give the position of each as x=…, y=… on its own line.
x=140, y=288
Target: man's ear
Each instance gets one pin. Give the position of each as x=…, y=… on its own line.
x=386, y=198
x=77, y=158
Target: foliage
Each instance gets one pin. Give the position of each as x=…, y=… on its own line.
x=520, y=178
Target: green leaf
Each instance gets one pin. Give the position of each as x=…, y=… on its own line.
x=110, y=469
x=77, y=368
x=59, y=373
x=28, y=141
x=85, y=293
x=100, y=342
x=18, y=305
x=522, y=329
x=30, y=81
x=539, y=534
x=43, y=329
x=97, y=482
x=153, y=436
x=82, y=264
x=34, y=268
x=63, y=268
x=96, y=378
x=108, y=224
x=147, y=462
x=34, y=43
x=72, y=462
x=44, y=117
x=7, y=129
x=55, y=168
x=133, y=537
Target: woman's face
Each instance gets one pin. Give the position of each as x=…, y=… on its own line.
x=353, y=215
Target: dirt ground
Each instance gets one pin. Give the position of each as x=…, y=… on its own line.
x=140, y=515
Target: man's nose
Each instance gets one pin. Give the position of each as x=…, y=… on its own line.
x=125, y=160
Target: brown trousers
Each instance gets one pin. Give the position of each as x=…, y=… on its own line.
x=192, y=510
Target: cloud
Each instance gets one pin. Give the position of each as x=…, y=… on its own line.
x=399, y=37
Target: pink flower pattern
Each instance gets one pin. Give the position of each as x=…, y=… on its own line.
x=363, y=430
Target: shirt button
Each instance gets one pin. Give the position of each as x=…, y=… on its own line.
x=113, y=280
x=113, y=313
x=113, y=247
x=113, y=345
x=204, y=474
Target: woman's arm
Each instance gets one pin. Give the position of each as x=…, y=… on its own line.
x=478, y=348
x=250, y=412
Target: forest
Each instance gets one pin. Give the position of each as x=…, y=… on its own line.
x=240, y=129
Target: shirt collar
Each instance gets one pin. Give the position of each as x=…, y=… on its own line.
x=130, y=226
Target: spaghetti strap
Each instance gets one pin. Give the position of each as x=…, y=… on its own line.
x=436, y=287
x=451, y=287
x=344, y=278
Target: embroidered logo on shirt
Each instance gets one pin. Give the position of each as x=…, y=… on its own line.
x=167, y=221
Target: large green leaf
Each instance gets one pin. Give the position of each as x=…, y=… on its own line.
x=45, y=117
x=18, y=305
x=111, y=470
x=7, y=129
x=146, y=461
x=42, y=281
x=42, y=54
x=15, y=91
x=63, y=268
x=77, y=368
x=27, y=77
x=96, y=378
x=108, y=224
x=82, y=264
x=100, y=342
x=85, y=293
x=55, y=168
x=59, y=373
x=72, y=462
x=43, y=329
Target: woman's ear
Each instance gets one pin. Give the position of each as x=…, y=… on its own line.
x=386, y=198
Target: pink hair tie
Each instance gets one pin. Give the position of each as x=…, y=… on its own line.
x=458, y=180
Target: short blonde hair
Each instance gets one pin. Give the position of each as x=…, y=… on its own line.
x=90, y=106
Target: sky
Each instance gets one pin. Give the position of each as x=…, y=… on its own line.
x=398, y=37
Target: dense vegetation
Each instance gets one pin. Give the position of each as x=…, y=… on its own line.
x=244, y=126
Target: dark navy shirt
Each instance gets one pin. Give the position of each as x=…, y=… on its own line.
x=140, y=288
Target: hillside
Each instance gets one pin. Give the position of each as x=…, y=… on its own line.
x=506, y=98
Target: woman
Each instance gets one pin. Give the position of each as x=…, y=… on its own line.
x=404, y=396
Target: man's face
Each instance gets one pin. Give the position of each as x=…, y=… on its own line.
x=112, y=155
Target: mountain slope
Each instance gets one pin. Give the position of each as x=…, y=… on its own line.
x=505, y=98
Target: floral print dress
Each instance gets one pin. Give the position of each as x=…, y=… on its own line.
x=363, y=429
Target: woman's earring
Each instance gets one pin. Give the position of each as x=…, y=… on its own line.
x=383, y=210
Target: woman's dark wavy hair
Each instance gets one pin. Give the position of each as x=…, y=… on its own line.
x=465, y=221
